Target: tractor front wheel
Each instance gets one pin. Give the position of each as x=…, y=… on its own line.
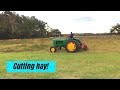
x=52, y=49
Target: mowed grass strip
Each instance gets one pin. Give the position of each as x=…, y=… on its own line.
x=84, y=65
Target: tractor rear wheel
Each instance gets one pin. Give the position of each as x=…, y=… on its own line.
x=72, y=46
x=52, y=49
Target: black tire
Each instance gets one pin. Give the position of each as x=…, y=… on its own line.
x=51, y=49
x=76, y=44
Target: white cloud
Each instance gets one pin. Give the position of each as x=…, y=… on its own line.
x=68, y=21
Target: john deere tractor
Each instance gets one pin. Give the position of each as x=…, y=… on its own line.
x=70, y=44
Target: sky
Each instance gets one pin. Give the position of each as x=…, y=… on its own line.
x=77, y=21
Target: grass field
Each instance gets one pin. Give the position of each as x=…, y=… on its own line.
x=101, y=61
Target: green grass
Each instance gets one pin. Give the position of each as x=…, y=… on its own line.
x=84, y=65
x=101, y=61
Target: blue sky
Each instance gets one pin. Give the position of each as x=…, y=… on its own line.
x=77, y=21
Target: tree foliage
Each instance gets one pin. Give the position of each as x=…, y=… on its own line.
x=55, y=32
x=115, y=29
x=13, y=25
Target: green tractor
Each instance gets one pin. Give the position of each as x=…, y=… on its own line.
x=70, y=44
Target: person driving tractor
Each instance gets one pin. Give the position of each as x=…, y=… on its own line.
x=71, y=35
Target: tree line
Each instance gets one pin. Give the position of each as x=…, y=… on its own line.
x=14, y=26
x=115, y=29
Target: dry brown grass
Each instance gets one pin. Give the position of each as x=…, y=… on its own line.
x=94, y=43
x=102, y=43
x=19, y=45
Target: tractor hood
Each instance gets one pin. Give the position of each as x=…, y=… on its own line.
x=59, y=39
